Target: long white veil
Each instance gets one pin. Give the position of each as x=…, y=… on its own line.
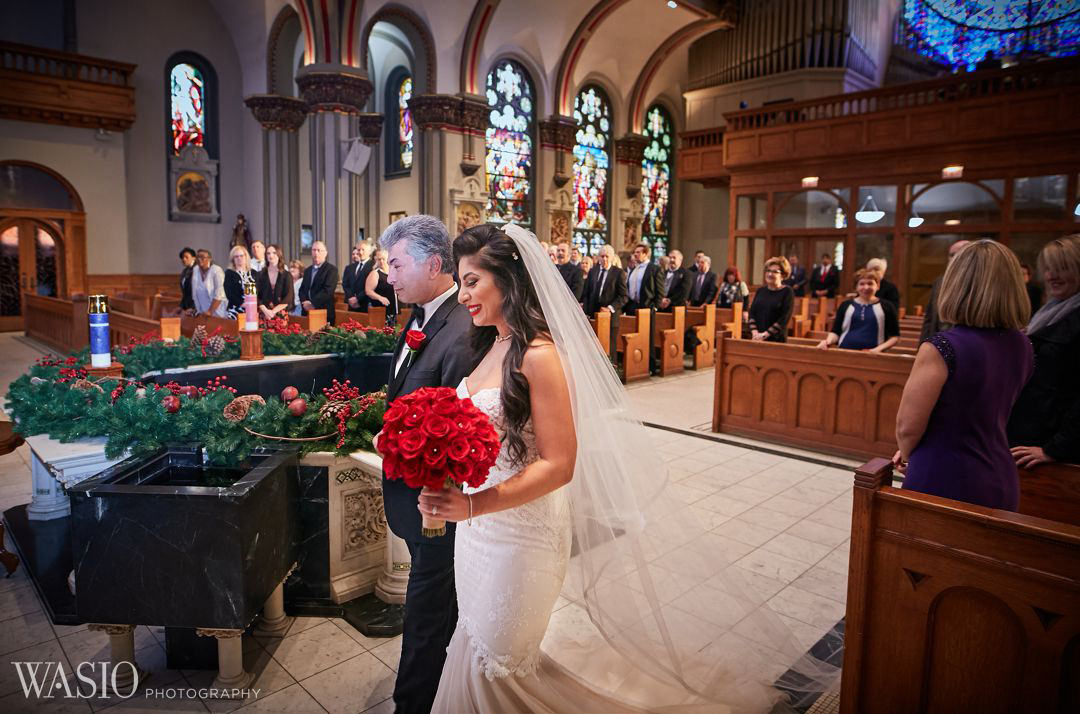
x=646, y=580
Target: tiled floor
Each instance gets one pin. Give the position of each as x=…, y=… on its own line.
x=783, y=520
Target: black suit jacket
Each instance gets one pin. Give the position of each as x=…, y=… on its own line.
x=830, y=282
x=652, y=289
x=797, y=280
x=444, y=360
x=707, y=293
x=613, y=292
x=679, y=292
x=352, y=283
x=280, y=292
x=320, y=291
x=888, y=292
x=575, y=279
x=187, y=302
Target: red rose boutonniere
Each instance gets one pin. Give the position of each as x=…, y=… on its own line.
x=415, y=341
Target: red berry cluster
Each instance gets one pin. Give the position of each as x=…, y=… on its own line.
x=282, y=326
x=56, y=361
x=147, y=339
x=118, y=391
x=338, y=392
x=212, y=385
x=70, y=374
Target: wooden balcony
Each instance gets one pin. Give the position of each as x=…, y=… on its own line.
x=62, y=88
x=1034, y=103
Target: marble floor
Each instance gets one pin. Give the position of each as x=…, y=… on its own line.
x=784, y=515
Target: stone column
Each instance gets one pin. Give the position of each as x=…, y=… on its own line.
x=332, y=92
x=629, y=151
x=473, y=122
x=273, y=622
x=125, y=673
x=394, y=580
x=231, y=673
x=280, y=118
x=369, y=126
x=48, y=501
x=558, y=135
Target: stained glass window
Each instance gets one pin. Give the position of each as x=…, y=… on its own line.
x=405, y=126
x=959, y=33
x=592, y=161
x=509, y=142
x=656, y=180
x=188, y=105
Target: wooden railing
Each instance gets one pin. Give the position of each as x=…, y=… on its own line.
x=123, y=327
x=954, y=88
x=43, y=85
x=60, y=324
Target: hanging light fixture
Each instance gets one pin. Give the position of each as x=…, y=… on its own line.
x=868, y=212
x=914, y=220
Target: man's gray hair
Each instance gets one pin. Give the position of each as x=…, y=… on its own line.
x=426, y=235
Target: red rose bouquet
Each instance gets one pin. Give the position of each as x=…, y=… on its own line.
x=432, y=438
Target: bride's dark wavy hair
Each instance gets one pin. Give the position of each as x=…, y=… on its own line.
x=495, y=252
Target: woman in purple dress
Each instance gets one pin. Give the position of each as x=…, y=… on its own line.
x=951, y=423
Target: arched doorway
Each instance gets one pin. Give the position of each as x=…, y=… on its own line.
x=42, y=238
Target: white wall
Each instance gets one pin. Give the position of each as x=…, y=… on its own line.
x=146, y=34
x=97, y=171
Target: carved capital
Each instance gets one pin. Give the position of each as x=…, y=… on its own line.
x=219, y=634
x=112, y=629
x=274, y=111
x=630, y=148
x=558, y=132
x=334, y=91
x=474, y=113
x=371, y=126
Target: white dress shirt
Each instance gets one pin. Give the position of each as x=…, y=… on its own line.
x=205, y=291
x=430, y=308
x=636, y=276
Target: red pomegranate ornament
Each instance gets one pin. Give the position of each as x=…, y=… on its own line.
x=297, y=407
x=171, y=403
x=289, y=393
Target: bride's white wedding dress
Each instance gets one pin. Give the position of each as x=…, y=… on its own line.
x=509, y=568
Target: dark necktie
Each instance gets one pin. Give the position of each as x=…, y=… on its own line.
x=418, y=314
x=697, y=287
x=600, y=283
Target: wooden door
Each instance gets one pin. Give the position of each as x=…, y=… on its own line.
x=30, y=253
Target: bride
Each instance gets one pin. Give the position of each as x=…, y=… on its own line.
x=651, y=616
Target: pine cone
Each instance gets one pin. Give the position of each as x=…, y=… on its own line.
x=331, y=410
x=237, y=409
x=215, y=345
x=198, y=337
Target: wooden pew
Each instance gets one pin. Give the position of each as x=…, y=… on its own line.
x=1051, y=491
x=314, y=321
x=669, y=333
x=730, y=319
x=836, y=401
x=164, y=305
x=123, y=328
x=632, y=342
x=800, y=322
x=702, y=320
x=225, y=326
x=403, y=317
x=601, y=324
x=60, y=324
x=953, y=607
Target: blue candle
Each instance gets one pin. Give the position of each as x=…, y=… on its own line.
x=100, y=355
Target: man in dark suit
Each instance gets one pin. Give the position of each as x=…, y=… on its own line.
x=695, y=265
x=644, y=282
x=355, y=276
x=704, y=287
x=677, y=282
x=320, y=282
x=575, y=279
x=825, y=279
x=797, y=279
x=422, y=272
x=605, y=289
x=187, y=257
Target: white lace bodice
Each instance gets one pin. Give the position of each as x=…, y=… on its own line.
x=510, y=564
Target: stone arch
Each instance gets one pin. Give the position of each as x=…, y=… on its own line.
x=419, y=36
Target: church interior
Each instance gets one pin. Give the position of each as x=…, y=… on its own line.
x=701, y=157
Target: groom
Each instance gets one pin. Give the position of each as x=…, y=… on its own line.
x=421, y=271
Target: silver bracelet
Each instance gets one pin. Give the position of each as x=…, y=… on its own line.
x=469, y=496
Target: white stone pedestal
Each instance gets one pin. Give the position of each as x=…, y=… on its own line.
x=394, y=578
x=273, y=622
x=55, y=467
x=124, y=672
x=231, y=673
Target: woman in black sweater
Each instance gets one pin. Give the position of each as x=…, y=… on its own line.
x=275, y=285
x=773, y=303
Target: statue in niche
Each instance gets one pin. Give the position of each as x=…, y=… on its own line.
x=241, y=235
x=560, y=228
x=468, y=215
x=193, y=193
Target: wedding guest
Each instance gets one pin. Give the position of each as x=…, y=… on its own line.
x=552, y=252
x=677, y=282
x=258, y=256
x=887, y=291
x=380, y=292
x=586, y=265
x=951, y=422
x=931, y=324
x=732, y=288
x=695, y=266
x=644, y=282
x=703, y=283
x=606, y=287
x=1045, y=423
x=296, y=270
x=354, y=279
x=320, y=282
x=274, y=285
x=237, y=275
x=575, y=256
x=208, y=286
x=187, y=258
x=571, y=274
x=865, y=322
x=797, y=280
x=825, y=279
x=773, y=303
x=663, y=261
x=1035, y=293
